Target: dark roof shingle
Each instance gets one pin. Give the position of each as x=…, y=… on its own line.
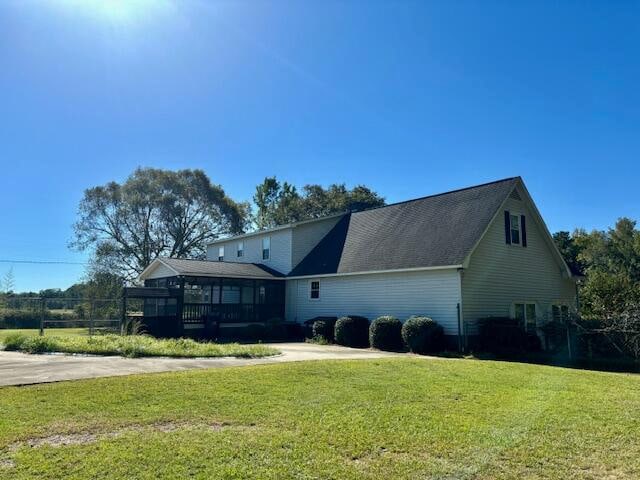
x=220, y=269
x=438, y=230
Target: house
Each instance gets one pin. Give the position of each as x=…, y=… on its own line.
x=456, y=257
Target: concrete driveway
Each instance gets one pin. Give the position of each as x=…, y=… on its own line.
x=24, y=369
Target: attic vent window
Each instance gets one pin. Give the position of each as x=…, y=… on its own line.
x=515, y=195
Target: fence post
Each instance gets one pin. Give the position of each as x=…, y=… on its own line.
x=43, y=304
x=123, y=317
x=91, y=310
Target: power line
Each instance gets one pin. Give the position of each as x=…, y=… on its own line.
x=43, y=262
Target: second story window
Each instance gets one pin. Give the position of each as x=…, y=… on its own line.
x=515, y=230
x=240, y=250
x=220, y=254
x=266, y=248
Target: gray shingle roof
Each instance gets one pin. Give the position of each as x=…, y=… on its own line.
x=438, y=230
x=205, y=268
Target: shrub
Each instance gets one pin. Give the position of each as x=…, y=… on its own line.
x=255, y=331
x=324, y=328
x=505, y=336
x=385, y=333
x=352, y=332
x=275, y=329
x=423, y=335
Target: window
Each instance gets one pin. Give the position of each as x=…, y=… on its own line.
x=194, y=293
x=515, y=229
x=266, y=248
x=220, y=254
x=526, y=314
x=560, y=312
x=314, y=290
x=240, y=250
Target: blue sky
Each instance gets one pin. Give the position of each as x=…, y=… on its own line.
x=410, y=98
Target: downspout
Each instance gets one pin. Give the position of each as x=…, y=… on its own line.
x=462, y=340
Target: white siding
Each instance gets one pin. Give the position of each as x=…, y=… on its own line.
x=161, y=271
x=307, y=235
x=431, y=293
x=500, y=274
x=280, y=259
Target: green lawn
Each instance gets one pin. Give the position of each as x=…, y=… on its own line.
x=390, y=418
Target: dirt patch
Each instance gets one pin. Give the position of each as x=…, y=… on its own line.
x=84, y=438
x=7, y=463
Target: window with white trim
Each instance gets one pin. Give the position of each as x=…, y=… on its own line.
x=240, y=250
x=221, y=253
x=314, y=290
x=559, y=312
x=515, y=229
x=266, y=248
x=526, y=313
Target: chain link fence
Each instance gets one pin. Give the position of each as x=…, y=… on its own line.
x=85, y=315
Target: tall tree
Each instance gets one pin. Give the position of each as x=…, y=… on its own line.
x=153, y=213
x=277, y=203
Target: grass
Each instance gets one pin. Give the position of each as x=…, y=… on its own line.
x=57, y=332
x=131, y=346
x=388, y=418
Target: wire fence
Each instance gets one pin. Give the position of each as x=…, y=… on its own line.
x=86, y=315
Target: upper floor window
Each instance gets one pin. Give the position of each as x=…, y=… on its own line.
x=314, y=290
x=515, y=229
x=220, y=254
x=266, y=248
x=240, y=250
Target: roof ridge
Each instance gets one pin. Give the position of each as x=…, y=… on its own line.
x=207, y=260
x=439, y=194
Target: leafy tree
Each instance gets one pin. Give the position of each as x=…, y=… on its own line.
x=611, y=261
x=569, y=250
x=277, y=203
x=153, y=213
x=8, y=283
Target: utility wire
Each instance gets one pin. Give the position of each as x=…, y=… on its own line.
x=43, y=262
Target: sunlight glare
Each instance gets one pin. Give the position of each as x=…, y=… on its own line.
x=119, y=11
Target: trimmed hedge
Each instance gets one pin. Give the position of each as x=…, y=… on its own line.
x=385, y=333
x=505, y=336
x=423, y=335
x=352, y=332
x=324, y=328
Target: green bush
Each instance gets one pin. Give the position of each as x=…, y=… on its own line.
x=423, y=335
x=255, y=332
x=352, y=332
x=324, y=329
x=505, y=336
x=385, y=333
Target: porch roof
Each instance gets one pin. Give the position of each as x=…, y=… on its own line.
x=206, y=268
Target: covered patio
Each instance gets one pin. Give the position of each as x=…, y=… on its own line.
x=201, y=299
